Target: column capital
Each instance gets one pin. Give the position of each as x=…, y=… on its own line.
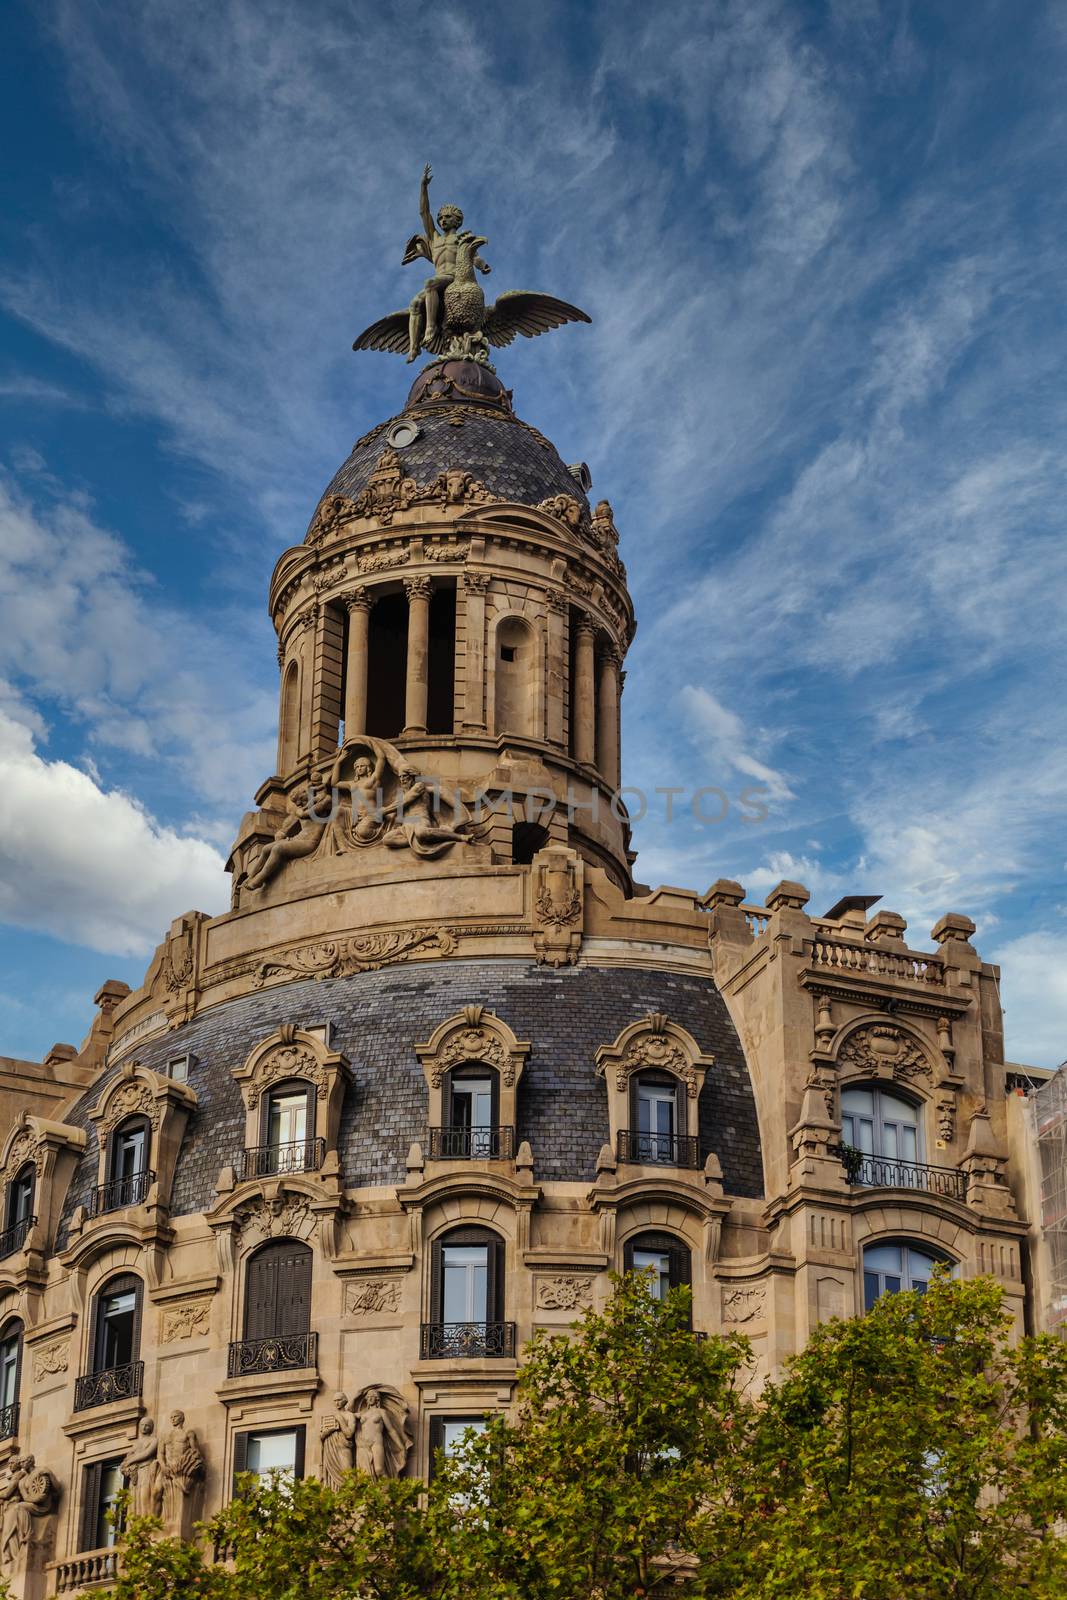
x=586, y=627
x=556, y=601
x=418, y=588
x=358, y=599
x=476, y=582
x=610, y=657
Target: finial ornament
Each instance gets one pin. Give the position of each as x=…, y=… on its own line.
x=449, y=316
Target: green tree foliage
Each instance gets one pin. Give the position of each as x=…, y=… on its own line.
x=913, y=1454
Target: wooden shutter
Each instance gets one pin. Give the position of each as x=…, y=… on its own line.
x=298, y=1454
x=494, y=1298
x=90, y=1504
x=437, y=1443
x=240, y=1457
x=278, y=1290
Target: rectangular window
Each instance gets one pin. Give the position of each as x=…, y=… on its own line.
x=465, y=1268
x=118, y=1314
x=472, y=1103
x=130, y=1155
x=288, y=1118
x=178, y=1069
x=102, y=1485
x=658, y=1262
x=270, y=1450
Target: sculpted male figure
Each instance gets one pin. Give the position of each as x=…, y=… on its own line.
x=181, y=1462
x=440, y=248
x=30, y=1494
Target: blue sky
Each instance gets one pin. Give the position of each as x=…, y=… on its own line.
x=823, y=246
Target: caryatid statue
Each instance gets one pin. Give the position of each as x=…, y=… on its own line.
x=383, y=1439
x=181, y=1466
x=449, y=316
x=140, y=1468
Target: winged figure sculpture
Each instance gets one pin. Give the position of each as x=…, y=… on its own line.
x=449, y=316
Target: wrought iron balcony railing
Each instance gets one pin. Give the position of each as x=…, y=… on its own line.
x=659, y=1149
x=442, y=1341
x=271, y=1160
x=885, y=1172
x=9, y=1420
x=14, y=1238
x=92, y=1567
x=472, y=1144
x=114, y=1383
x=120, y=1192
x=282, y=1353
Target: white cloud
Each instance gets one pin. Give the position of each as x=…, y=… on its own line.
x=88, y=864
x=1034, y=995
x=728, y=744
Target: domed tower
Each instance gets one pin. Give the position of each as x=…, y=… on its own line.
x=302, y=1197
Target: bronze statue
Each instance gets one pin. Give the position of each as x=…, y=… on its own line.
x=449, y=316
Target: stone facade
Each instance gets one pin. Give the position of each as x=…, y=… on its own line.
x=435, y=890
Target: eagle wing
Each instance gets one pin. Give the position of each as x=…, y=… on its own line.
x=416, y=247
x=388, y=333
x=519, y=311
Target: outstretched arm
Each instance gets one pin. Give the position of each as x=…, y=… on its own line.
x=424, y=202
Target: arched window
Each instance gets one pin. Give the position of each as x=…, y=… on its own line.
x=277, y=1311
x=661, y=1255
x=467, y=1297
x=10, y=1376
x=288, y=1142
x=115, y=1369
x=289, y=729
x=879, y=1123
x=470, y=1105
x=19, y=1209
x=128, y=1176
x=889, y=1268
x=515, y=705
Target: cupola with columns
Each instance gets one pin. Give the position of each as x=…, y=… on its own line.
x=451, y=635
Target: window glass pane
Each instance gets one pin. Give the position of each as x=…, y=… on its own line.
x=9, y=1366
x=882, y=1258
x=870, y=1289
x=919, y=1267
x=454, y=1429
x=131, y=1153
x=472, y=1103
x=288, y=1118
x=858, y=1100
x=107, y=1533
x=465, y=1272
x=659, y=1262
x=271, y=1452
x=116, y=1330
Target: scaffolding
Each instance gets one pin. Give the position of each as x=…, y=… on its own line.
x=1050, y=1120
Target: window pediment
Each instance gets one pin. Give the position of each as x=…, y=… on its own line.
x=287, y=1055
x=886, y=1050
x=655, y=1044
x=473, y=1035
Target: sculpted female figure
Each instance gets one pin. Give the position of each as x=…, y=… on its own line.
x=338, y=1434
x=382, y=1443
x=140, y=1467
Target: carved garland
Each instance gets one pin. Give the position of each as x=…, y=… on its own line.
x=286, y=1061
x=133, y=1099
x=879, y=1048
x=655, y=1051
x=364, y=952
x=474, y=1044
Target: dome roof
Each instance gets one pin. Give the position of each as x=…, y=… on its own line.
x=458, y=416
x=376, y=1016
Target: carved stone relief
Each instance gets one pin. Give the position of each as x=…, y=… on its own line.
x=132, y=1099
x=569, y=1292
x=286, y=1061
x=184, y=1322
x=372, y=1296
x=270, y=1219
x=881, y=1048
x=557, y=904
x=743, y=1304
x=28, y=1496
x=363, y=952
x=50, y=1359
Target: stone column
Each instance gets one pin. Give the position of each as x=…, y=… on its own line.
x=359, y=606
x=475, y=585
x=417, y=689
x=607, y=718
x=583, y=710
x=557, y=668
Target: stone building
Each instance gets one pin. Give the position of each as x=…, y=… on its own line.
x=301, y=1198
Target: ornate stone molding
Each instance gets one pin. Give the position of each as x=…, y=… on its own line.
x=362, y=952
x=185, y=1321
x=882, y=1049
x=474, y=1034
x=654, y=1044
x=284, y=1215
x=292, y=1054
x=557, y=889
x=568, y=1292
x=166, y=1106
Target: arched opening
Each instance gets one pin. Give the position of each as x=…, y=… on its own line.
x=287, y=1133
x=21, y=1192
x=527, y=838
x=289, y=720
x=897, y=1265
x=879, y=1122
x=441, y=665
x=10, y=1376
x=128, y=1176
x=115, y=1369
x=387, y=653
x=467, y=1297
x=515, y=701
x=278, y=1293
x=663, y=1257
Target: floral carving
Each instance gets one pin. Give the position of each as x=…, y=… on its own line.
x=333, y=510
x=286, y=1061
x=373, y=1295
x=133, y=1099
x=572, y=1292
x=381, y=560
x=881, y=1048
x=25, y=1146
x=473, y=1044
x=656, y=1051
x=364, y=952
x=184, y=1322
x=742, y=1304
x=50, y=1359
x=447, y=552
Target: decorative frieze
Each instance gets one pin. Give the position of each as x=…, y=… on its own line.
x=189, y=1321
x=568, y=1292
x=51, y=1359
x=372, y=1297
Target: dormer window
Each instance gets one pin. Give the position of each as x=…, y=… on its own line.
x=129, y=1177
x=19, y=1218
x=655, y=1118
x=471, y=1130
x=288, y=1140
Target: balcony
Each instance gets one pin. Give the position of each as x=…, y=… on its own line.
x=472, y=1144
x=658, y=1149
x=92, y=1567
x=121, y=1192
x=285, y=1352
x=884, y=1172
x=449, y=1341
x=9, y=1420
x=13, y=1238
x=114, y=1383
x=275, y=1160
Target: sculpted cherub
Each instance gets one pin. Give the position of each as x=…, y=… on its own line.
x=442, y=250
